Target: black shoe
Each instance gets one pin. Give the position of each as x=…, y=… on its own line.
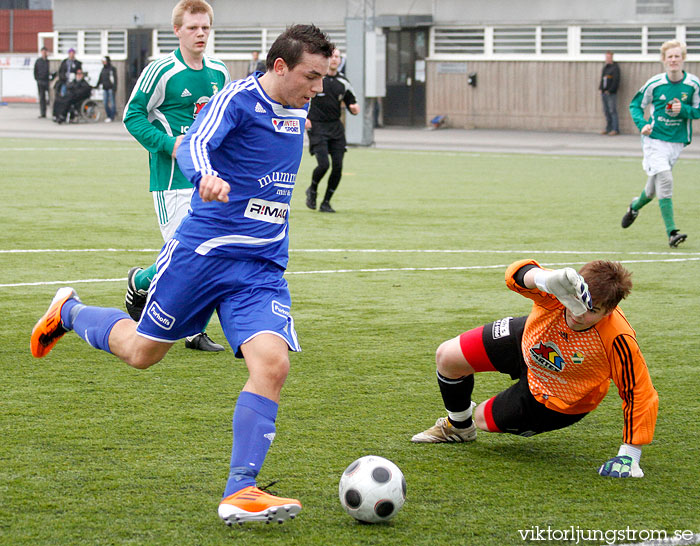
x=202, y=342
x=311, y=198
x=326, y=207
x=629, y=217
x=676, y=238
x=135, y=299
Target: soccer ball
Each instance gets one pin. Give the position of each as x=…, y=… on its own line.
x=372, y=489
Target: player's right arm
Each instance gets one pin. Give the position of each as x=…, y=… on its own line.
x=145, y=98
x=637, y=110
x=566, y=285
x=213, y=123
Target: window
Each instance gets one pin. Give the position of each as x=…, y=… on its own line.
x=514, y=40
x=116, y=42
x=92, y=44
x=692, y=39
x=554, y=40
x=618, y=40
x=238, y=41
x=166, y=41
x=458, y=40
x=67, y=40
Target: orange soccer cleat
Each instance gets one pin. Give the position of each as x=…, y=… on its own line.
x=49, y=329
x=252, y=504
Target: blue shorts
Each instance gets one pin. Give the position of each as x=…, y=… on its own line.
x=251, y=297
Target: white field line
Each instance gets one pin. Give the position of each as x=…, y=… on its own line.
x=71, y=148
x=374, y=251
x=688, y=257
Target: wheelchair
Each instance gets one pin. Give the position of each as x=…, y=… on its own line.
x=88, y=111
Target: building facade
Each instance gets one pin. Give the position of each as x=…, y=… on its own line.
x=498, y=64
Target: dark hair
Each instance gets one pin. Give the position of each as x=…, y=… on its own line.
x=297, y=40
x=608, y=282
x=108, y=60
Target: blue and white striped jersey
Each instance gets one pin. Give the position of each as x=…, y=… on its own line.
x=254, y=144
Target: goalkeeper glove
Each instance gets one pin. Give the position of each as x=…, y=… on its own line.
x=567, y=286
x=621, y=466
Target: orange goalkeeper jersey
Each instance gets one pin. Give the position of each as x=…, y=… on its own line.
x=570, y=371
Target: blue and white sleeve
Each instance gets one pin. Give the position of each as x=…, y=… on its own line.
x=213, y=123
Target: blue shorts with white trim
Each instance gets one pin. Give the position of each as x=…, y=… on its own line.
x=251, y=297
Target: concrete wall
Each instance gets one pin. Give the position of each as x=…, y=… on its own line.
x=90, y=14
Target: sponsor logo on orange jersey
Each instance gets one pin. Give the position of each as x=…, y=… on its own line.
x=548, y=356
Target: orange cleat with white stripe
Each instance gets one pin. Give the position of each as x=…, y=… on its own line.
x=48, y=330
x=252, y=504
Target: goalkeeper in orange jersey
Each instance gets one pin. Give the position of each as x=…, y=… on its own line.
x=563, y=354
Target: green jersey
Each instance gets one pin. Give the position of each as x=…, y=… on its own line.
x=658, y=93
x=165, y=101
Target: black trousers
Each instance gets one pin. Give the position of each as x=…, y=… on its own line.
x=43, y=88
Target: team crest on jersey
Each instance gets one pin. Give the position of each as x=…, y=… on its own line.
x=577, y=358
x=289, y=126
x=201, y=102
x=548, y=356
x=684, y=97
x=214, y=88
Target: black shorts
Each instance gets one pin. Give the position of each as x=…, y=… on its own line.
x=515, y=410
x=327, y=137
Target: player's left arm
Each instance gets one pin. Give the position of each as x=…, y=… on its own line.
x=692, y=109
x=640, y=404
x=349, y=98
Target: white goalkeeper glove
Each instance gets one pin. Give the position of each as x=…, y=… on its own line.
x=624, y=465
x=567, y=286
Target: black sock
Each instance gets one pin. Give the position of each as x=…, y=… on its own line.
x=457, y=396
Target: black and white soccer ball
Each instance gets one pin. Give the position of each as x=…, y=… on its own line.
x=372, y=489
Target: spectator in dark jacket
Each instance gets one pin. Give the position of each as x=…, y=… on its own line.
x=42, y=75
x=609, y=82
x=66, y=72
x=108, y=81
x=76, y=92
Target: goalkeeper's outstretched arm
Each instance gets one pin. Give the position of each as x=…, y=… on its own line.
x=564, y=284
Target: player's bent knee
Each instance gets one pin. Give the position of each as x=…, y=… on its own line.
x=449, y=360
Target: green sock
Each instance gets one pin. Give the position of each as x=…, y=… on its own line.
x=640, y=201
x=666, y=206
x=143, y=278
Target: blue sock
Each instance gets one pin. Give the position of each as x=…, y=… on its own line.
x=93, y=324
x=253, y=432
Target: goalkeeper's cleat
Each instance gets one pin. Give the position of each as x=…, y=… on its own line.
x=443, y=431
x=49, y=329
x=622, y=466
x=629, y=217
x=676, y=238
x=135, y=299
x=253, y=504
